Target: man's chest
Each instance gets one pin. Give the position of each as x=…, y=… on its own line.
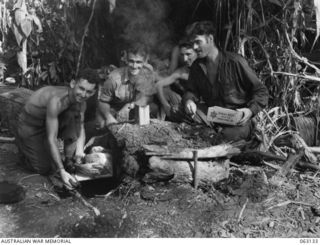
x=125, y=92
x=212, y=74
x=209, y=75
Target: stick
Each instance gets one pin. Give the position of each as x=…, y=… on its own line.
x=279, y=205
x=314, y=149
x=203, y=118
x=121, y=128
x=195, y=177
x=234, y=164
x=122, y=122
x=308, y=166
x=26, y=177
x=303, y=59
x=85, y=33
x=315, y=175
x=85, y=203
x=300, y=210
x=55, y=197
x=106, y=195
x=291, y=163
x=289, y=202
x=243, y=208
x=223, y=150
x=300, y=143
x=302, y=203
x=7, y=139
x=312, y=78
x=272, y=165
x=270, y=119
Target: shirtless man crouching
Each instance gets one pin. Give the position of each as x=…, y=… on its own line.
x=54, y=112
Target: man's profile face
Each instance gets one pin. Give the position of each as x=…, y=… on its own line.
x=83, y=90
x=135, y=63
x=188, y=55
x=202, y=45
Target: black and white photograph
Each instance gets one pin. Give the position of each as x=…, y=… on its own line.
x=159, y=119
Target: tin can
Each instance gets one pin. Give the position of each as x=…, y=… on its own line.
x=142, y=115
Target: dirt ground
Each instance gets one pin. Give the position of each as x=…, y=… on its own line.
x=245, y=205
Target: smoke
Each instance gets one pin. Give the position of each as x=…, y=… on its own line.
x=144, y=22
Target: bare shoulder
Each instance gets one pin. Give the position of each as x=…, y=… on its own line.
x=42, y=96
x=114, y=78
x=54, y=105
x=57, y=99
x=116, y=75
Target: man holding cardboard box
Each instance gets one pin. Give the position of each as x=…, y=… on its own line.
x=225, y=80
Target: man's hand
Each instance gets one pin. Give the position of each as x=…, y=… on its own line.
x=79, y=158
x=69, y=182
x=104, y=123
x=171, y=110
x=175, y=108
x=247, y=114
x=167, y=109
x=123, y=114
x=104, y=116
x=111, y=120
x=190, y=107
x=101, y=124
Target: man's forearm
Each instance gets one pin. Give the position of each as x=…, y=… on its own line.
x=81, y=142
x=189, y=96
x=161, y=96
x=104, y=109
x=55, y=154
x=167, y=82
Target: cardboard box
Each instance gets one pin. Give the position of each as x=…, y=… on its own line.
x=223, y=115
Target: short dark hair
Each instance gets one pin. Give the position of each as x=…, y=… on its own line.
x=138, y=49
x=185, y=43
x=90, y=75
x=201, y=28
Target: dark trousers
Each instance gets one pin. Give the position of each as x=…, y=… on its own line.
x=226, y=133
x=33, y=143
